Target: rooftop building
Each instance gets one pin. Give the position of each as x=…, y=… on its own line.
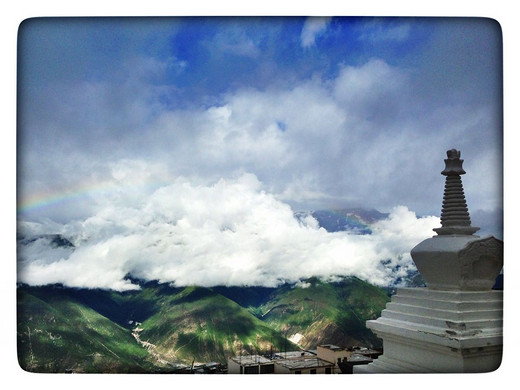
x=323, y=360
x=356, y=359
x=333, y=354
x=326, y=359
x=250, y=364
x=303, y=365
x=295, y=354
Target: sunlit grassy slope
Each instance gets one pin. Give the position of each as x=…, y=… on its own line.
x=322, y=313
x=59, y=334
x=202, y=325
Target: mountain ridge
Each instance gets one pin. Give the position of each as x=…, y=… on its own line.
x=356, y=220
x=178, y=325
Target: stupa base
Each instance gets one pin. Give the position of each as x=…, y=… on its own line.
x=427, y=331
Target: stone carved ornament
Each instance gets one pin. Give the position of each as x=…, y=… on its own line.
x=482, y=260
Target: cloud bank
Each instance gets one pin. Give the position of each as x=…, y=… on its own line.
x=348, y=141
x=356, y=121
x=230, y=233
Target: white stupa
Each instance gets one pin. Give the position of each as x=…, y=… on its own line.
x=454, y=324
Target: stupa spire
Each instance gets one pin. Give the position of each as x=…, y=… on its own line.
x=455, y=217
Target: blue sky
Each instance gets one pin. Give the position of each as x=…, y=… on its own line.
x=210, y=56
x=292, y=113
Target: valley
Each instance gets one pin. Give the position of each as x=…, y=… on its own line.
x=159, y=327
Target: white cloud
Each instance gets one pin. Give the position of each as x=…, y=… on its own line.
x=232, y=233
x=313, y=27
x=346, y=141
x=379, y=30
x=359, y=88
x=237, y=45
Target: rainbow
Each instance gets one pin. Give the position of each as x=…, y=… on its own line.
x=46, y=199
x=43, y=200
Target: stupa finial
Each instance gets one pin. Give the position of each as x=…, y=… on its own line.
x=453, y=163
x=455, y=216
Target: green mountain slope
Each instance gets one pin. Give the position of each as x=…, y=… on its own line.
x=202, y=325
x=59, y=334
x=326, y=313
x=152, y=329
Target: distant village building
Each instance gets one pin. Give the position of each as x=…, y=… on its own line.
x=359, y=356
x=294, y=354
x=250, y=364
x=333, y=353
x=303, y=365
x=326, y=359
x=346, y=358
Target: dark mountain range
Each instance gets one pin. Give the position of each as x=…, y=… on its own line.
x=153, y=329
x=55, y=240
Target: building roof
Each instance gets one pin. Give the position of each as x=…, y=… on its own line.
x=293, y=354
x=303, y=362
x=331, y=347
x=364, y=351
x=356, y=357
x=250, y=360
